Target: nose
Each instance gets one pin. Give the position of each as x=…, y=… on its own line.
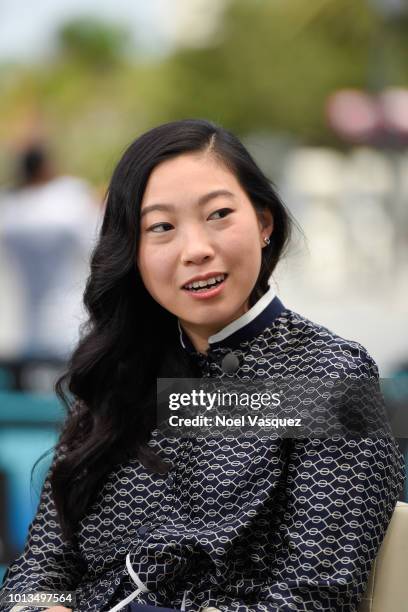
x=196, y=248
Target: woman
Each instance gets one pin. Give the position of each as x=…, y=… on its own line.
x=179, y=288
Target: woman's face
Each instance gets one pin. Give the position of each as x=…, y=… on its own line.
x=197, y=224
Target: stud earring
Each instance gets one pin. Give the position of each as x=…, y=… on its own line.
x=267, y=240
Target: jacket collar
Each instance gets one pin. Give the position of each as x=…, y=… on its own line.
x=249, y=325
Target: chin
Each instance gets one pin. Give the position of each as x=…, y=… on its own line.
x=213, y=316
x=215, y=323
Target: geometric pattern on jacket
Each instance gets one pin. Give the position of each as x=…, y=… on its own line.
x=276, y=525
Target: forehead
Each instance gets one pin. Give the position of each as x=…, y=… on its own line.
x=188, y=174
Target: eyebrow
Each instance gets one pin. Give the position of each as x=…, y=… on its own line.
x=201, y=200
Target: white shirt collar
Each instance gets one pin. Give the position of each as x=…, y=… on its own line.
x=232, y=328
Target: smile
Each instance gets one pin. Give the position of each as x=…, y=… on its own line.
x=206, y=288
x=197, y=285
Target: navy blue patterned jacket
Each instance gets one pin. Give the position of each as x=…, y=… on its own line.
x=278, y=525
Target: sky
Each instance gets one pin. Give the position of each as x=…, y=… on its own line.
x=27, y=29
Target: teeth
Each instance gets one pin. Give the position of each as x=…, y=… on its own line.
x=205, y=283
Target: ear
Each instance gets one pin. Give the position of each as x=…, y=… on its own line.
x=265, y=222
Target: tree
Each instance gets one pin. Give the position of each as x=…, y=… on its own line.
x=93, y=42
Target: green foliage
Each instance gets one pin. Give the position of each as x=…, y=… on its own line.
x=269, y=68
x=275, y=64
x=93, y=42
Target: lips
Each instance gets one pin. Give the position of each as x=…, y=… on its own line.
x=205, y=283
x=208, y=291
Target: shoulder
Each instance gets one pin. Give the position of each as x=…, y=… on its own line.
x=324, y=347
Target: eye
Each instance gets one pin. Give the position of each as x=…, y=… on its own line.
x=156, y=228
x=222, y=212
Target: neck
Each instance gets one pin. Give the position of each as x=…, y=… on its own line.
x=199, y=335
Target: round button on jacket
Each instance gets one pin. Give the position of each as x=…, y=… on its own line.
x=230, y=363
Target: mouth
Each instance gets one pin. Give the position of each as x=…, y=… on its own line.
x=209, y=286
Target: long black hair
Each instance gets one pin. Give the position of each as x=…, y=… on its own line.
x=129, y=339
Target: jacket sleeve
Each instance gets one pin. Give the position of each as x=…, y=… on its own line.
x=337, y=501
x=48, y=562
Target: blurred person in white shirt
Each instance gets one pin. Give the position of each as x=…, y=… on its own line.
x=48, y=225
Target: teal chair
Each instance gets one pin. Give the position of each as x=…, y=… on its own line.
x=29, y=427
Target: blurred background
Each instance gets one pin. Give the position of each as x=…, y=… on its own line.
x=318, y=91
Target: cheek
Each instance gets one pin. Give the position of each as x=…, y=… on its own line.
x=156, y=268
x=243, y=245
